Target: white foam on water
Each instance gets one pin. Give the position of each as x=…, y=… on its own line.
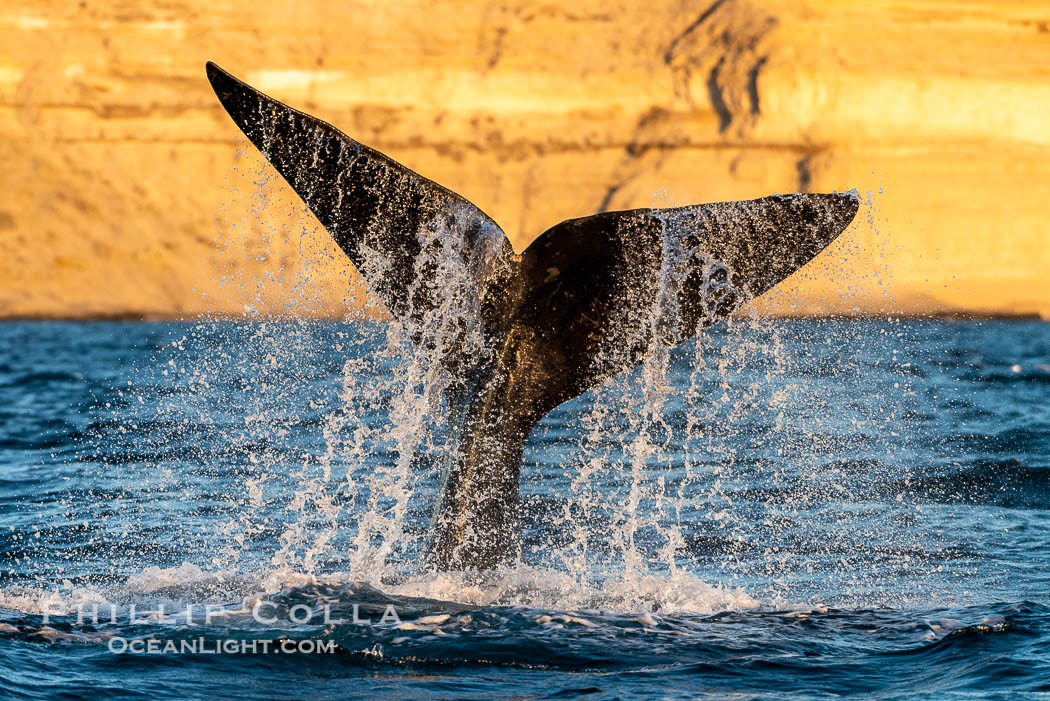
x=554, y=590
x=159, y=593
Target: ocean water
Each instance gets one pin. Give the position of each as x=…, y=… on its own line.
x=783, y=508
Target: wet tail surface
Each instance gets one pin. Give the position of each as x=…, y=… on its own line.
x=586, y=301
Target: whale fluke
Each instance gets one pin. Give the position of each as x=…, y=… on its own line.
x=585, y=301
x=376, y=209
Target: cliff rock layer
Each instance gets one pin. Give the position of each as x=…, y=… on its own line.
x=128, y=192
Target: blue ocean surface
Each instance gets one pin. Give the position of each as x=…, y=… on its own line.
x=780, y=509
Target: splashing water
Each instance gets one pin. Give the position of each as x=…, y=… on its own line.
x=620, y=484
x=617, y=485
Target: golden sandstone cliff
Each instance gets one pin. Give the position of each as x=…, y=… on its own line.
x=126, y=191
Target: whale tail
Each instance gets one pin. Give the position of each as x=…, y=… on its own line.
x=583, y=302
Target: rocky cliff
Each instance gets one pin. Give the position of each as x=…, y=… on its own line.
x=128, y=192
